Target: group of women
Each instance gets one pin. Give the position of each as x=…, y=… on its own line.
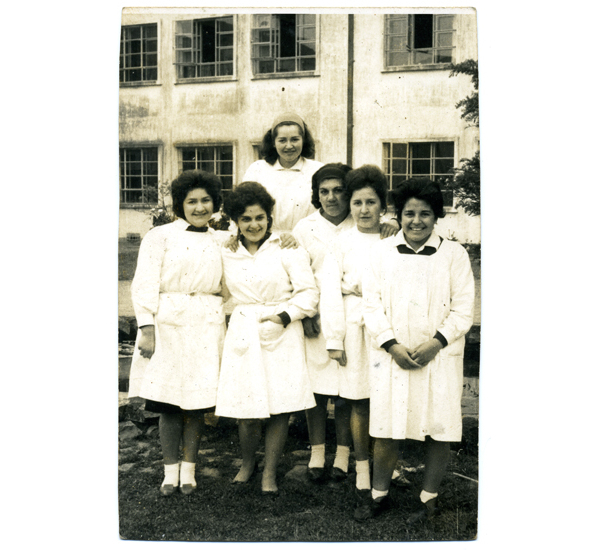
x=331, y=302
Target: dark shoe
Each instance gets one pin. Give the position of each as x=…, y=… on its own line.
x=167, y=490
x=187, y=489
x=400, y=481
x=317, y=475
x=372, y=509
x=337, y=474
x=362, y=496
x=425, y=512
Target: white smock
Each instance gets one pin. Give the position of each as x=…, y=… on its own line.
x=355, y=249
x=263, y=371
x=321, y=239
x=410, y=297
x=290, y=187
x=177, y=278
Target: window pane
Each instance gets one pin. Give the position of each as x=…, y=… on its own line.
x=397, y=59
x=263, y=52
x=421, y=150
x=422, y=57
x=396, y=180
x=307, y=49
x=423, y=31
x=183, y=42
x=227, y=182
x=225, y=40
x=396, y=43
x=150, y=46
x=150, y=31
x=225, y=168
x=262, y=21
x=398, y=26
x=225, y=153
x=150, y=74
x=287, y=65
x=225, y=69
x=226, y=54
x=443, y=166
x=308, y=64
x=399, y=166
x=207, y=70
x=187, y=72
x=444, y=39
x=188, y=154
x=444, y=22
x=266, y=67
x=399, y=150
x=151, y=168
x=307, y=33
x=184, y=56
x=150, y=154
x=184, y=27
x=225, y=24
x=135, y=32
x=443, y=149
x=421, y=167
x=134, y=182
x=306, y=19
x=386, y=150
x=150, y=59
x=133, y=155
x=189, y=165
x=443, y=56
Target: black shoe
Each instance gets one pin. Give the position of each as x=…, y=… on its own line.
x=371, y=509
x=317, y=475
x=362, y=496
x=167, y=490
x=337, y=474
x=425, y=512
x=187, y=489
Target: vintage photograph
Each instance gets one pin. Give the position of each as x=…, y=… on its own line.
x=299, y=259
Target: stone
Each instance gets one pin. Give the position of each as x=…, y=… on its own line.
x=205, y=451
x=126, y=467
x=301, y=455
x=210, y=472
x=128, y=430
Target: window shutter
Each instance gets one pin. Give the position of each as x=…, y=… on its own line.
x=264, y=43
x=184, y=47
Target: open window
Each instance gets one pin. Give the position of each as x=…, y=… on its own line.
x=418, y=39
x=283, y=43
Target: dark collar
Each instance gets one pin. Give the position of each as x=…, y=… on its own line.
x=197, y=229
x=427, y=250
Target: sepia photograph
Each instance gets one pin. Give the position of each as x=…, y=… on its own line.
x=299, y=275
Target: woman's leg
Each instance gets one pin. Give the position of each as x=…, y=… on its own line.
x=275, y=437
x=249, y=431
x=437, y=455
x=385, y=455
x=192, y=427
x=170, y=429
x=343, y=437
x=316, y=419
x=359, y=425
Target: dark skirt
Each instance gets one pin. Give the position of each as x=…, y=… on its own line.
x=168, y=408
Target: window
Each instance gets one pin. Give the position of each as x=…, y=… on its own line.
x=138, y=167
x=217, y=159
x=418, y=39
x=204, y=48
x=430, y=159
x=138, y=60
x=283, y=43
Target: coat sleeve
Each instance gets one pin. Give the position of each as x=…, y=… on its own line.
x=305, y=296
x=145, y=287
x=377, y=323
x=252, y=173
x=462, y=297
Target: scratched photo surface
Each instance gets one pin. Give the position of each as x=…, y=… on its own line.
x=215, y=311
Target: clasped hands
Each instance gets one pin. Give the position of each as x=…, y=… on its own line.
x=416, y=358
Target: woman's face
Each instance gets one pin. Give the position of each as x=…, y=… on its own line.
x=417, y=222
x=333, y=199
x=198, y=207
x=365, y=207
x=253, y=223
x=288, y=142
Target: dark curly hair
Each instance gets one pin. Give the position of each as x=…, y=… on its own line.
x=371, y=176
x=328, y=171
x=248, y=193
x=418, y=188
x=269, y=152
x=195, y=179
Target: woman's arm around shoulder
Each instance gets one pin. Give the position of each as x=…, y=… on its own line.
x=305, y=297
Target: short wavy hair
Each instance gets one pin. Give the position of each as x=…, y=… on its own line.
x=371, y=176
x=248, y=193
x=333, y=170
x=418, y=188
x=195, y=179
x=269, y=152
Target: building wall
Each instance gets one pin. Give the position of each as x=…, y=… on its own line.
x=386, y=105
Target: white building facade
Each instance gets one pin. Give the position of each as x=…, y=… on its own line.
x=199, y=90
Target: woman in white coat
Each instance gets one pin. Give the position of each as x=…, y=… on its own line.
x=419, y=299
x=285, y=170
x=263, y=371
x=366, y=189
x=179, y=312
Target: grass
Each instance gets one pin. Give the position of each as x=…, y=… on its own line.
x=219, y=511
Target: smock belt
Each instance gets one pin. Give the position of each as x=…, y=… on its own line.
x=189, y=308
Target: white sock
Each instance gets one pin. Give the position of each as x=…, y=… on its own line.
x=171, y=474
x=187, y=476
x=317, y=456
x=342, y=455
x=377, y=494
x=425, y=496
x=363, y=477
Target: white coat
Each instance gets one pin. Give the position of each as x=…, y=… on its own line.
x=290, y=187
x=410, y=297
x=263, y=371
x=177, y=278
x=321, y=239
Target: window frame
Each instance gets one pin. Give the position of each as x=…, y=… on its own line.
x=122, y=55
x=196, y=144
x=387, y=168
x=159, y=157
x=412, y=66
x=195, y=49
x=272, y=44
